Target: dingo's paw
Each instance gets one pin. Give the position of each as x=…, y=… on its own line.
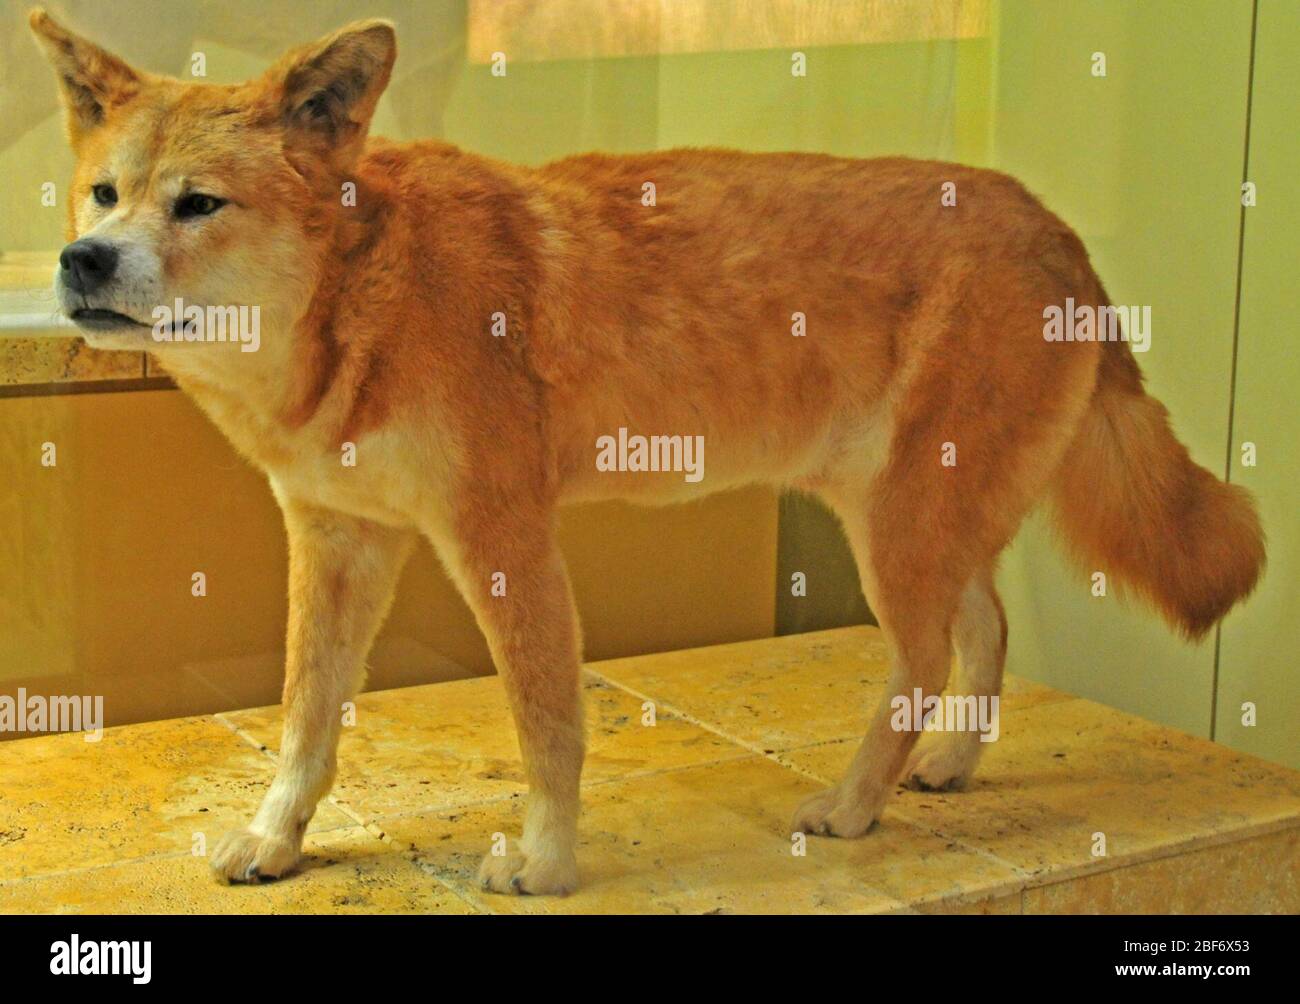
x=944, y=763
x=832, y=813
x=244, y=856
x=518, y=873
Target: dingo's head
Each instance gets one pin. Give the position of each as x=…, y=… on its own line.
x=218, y=196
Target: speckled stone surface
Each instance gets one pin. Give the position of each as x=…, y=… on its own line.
x=689, y=814
x=709, y=839
x=442, y=745
x=1072, y=776
x=142, y=790
x=1256, y=875
x=344, y=871
x=783, y=693
x=60, y=360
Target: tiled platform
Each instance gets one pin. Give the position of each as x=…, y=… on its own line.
x=689, y=815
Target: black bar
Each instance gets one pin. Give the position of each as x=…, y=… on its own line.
x=678, y=954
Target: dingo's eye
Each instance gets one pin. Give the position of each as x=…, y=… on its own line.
x=105, y=195
x=198, y=205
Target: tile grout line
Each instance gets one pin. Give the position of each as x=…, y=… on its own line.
x=700, y=723
x=1026, y=879
x=409, y=854
x=1019, y=874
x=1186, y=847
x=1020, y=882
x=100, y=866
x=358, y=820
x=452, y=808
x=375, y=828
x=343, y=806
x=274, y=757
x=137, y=859
x=1184, y=850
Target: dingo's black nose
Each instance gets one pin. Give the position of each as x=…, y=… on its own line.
x=87, y=264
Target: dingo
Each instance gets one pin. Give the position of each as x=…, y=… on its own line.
x=474, y=330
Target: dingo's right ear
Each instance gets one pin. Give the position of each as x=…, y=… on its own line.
x=92, y=80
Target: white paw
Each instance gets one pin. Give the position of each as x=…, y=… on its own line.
x=244, y=856
x=942, y=762
x=834, y=813
x=520, y=873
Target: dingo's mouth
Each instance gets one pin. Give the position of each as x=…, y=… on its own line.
x=99, y=319
x=96, y=319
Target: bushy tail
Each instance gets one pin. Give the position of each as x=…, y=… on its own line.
x=1131, y=503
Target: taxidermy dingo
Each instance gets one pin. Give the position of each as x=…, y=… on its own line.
x=483, y=334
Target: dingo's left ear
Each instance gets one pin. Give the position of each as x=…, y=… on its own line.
x=329, y=89
x=92, y=80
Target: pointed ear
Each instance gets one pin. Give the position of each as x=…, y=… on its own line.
x=329, y=89
x=92, y=81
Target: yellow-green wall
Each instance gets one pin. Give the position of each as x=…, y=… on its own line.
x=1146, y=164
x=1258, y=661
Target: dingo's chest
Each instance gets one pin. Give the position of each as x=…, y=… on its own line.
x=394, y=476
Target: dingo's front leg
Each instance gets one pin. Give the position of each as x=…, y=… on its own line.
x=342, y=572
x=512, y=575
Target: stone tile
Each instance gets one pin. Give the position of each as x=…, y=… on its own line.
x=418, y=749
x=773, y=693
x=58, y=360
x=343, y=871
x=782, y=693
x=708, y=839
x=677, y=819
x=141, y=790
x=1064, y=771
x=1255, y=875
x=1009, y=904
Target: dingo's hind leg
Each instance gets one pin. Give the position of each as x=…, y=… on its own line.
x=981, y=413
x=914, y=598
x=946, y=759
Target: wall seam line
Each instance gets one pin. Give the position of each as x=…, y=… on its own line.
x=1236, y=335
